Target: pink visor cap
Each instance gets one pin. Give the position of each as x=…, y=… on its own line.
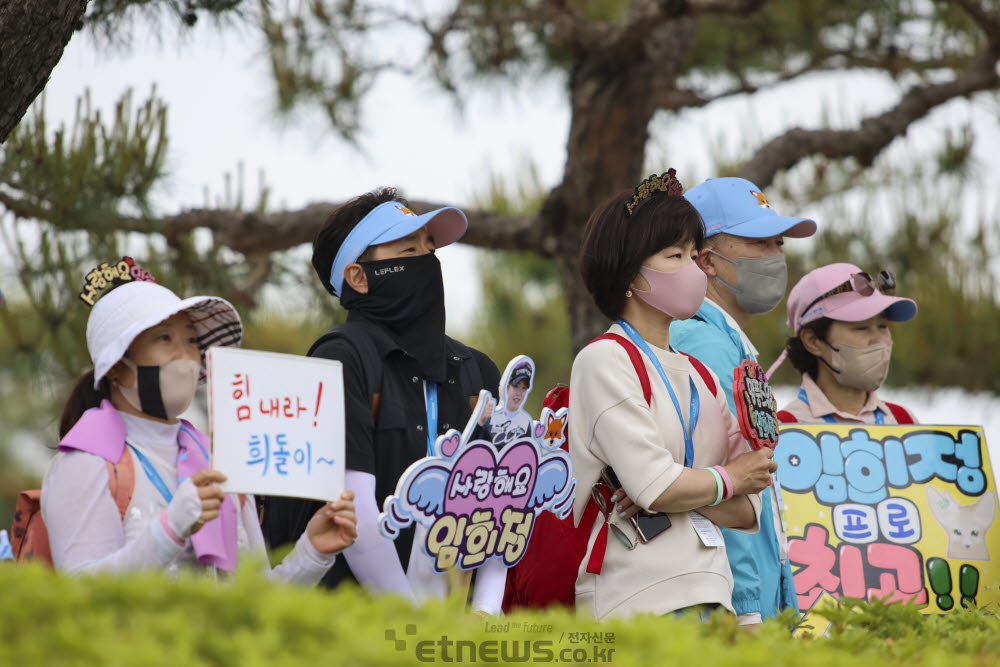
x=847, y=306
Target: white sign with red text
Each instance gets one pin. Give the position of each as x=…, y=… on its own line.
x=277, y=423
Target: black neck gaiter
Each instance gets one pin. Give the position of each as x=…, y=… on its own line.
x=406, y=295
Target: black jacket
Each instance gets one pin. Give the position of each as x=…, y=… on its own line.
x=386, y=420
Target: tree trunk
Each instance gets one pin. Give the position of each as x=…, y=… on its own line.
x=612, y=106
x=33, y=34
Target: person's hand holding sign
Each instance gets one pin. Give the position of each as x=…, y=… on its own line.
x=751, y=472
x=211, y=496
x=334, y=527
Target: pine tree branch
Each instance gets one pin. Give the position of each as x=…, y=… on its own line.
x=734, y=7
x=989, y=23
x=23, y=209
x=645, y=17
x=877, y=132
x=252, y=233
x=830, y=61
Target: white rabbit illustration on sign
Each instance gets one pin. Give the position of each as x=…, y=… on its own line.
x=965, y=525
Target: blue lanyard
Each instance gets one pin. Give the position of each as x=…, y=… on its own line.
x=431, y=397
x=152, y=475
x=879, y=416
x=695, y=401
x=196, y=441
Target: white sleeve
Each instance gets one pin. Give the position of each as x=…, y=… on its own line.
x=303, y=565
x=491, y=580
x=372, y=558
x=85, y=528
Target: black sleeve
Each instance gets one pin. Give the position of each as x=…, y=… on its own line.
x=359, y=432
x=284, y=519
x=489, y=372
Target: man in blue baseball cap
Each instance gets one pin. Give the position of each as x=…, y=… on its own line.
x=747, y=276
x=405, y=382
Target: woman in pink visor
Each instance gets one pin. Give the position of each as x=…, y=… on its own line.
x=842, y=345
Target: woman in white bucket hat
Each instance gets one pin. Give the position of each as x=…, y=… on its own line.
x=122, y=422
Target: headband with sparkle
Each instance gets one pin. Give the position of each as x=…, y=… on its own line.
x=108, y=276
x=665, y=182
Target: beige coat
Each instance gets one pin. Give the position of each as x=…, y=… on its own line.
x=611, y=424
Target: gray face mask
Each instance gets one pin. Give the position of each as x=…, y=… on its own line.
x=760, y=282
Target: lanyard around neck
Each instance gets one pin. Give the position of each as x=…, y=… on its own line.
x=735, y=333
x=879, y=415
x=151, y=474
x=695, y=401
x=431, y=400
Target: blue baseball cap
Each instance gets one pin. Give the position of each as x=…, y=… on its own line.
x=738, y=207
x=391, y=221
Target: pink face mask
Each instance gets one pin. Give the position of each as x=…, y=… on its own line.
x=678, y=294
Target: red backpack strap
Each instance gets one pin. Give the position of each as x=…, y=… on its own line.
x=703, y=371
x=596, y=561
x=637, y=363
x=121, y=481
x=786, y=417
x=900, y=413
x=558, y=397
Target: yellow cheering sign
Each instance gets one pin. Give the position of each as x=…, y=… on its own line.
x=900, y=513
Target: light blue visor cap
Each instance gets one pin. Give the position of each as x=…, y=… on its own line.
x=738, y=207
x=392, y=221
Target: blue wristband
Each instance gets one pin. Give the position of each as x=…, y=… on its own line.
x=720, y=484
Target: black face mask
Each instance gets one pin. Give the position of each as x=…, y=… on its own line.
x=406, y=295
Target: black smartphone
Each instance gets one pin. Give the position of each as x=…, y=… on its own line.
x=651, y=524
x=647, y=524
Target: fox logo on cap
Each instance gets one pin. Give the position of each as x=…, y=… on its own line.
x=406, y=211
x=761, y=199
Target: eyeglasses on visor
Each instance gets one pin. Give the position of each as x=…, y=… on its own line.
x=863, y=284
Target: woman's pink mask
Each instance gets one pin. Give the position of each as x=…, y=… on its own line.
x=679, y=293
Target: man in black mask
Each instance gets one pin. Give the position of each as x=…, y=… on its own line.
x=405, y=382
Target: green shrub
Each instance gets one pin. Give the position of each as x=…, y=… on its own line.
x=147, y=620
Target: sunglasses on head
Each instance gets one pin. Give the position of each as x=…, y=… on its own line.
x=863, y=284
x=626, y=541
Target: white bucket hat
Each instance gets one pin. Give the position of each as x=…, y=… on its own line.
x=126, y=311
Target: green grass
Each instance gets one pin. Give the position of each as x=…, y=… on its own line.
x=47, y=619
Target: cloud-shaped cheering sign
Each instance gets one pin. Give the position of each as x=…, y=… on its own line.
x=478, y=501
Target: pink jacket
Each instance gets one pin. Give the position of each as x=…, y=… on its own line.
x=101, y=432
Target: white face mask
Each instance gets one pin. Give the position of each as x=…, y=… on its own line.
x=860, y=367
x=164, y=392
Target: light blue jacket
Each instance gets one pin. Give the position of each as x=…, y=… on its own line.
x=761, y=584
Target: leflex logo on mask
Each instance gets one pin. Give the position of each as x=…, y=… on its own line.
x=390, y=269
